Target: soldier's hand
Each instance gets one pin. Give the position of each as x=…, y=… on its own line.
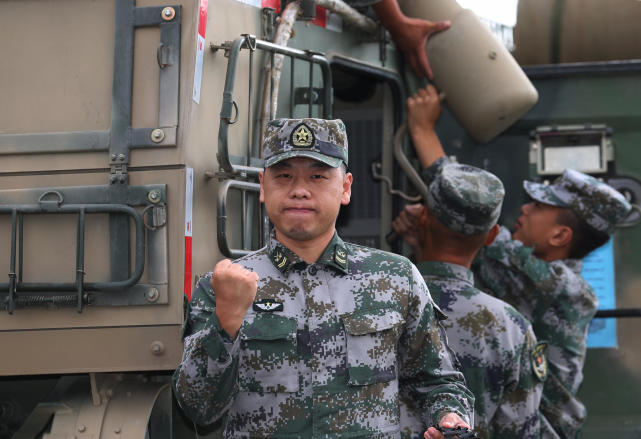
x=411, y=37
x=450, y=420
x=408, y=225
x=423, y=110
x=235, y=289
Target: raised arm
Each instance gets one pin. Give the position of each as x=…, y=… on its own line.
x=410, y=34
x=423, y=111
x=206, y=381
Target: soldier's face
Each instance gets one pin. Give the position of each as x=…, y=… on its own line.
x=536, y=225
x=302, y=197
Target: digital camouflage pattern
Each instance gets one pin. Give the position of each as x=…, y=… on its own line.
x=497, y=350
x=325, y=351
x=319, y=139
x=560, y=304
x=598, y=204
x=465, y=199
x=495, y=345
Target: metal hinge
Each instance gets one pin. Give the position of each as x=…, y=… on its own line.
x=118, y=173
x=268, y=24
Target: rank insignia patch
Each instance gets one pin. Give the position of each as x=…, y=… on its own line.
x=302, y=136
x=267, y=305
x=539, y=361
x=280, y=259
x=340, y=255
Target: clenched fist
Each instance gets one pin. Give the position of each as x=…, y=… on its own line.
x=450, y=420
x=235, y=288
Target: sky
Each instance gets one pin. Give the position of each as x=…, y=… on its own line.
x=501, y=11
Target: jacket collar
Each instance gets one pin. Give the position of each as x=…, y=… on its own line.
x=447, y=270
x=335, y=255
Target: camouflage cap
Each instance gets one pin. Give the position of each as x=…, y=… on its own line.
x=601, y=206
x=466, y=199
x=319, y=139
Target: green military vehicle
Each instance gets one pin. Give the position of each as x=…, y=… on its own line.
x=129, y=152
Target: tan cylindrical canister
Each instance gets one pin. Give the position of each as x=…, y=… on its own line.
x=433, y=10
x=485, y=88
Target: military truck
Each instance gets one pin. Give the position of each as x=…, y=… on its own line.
x=130, y=146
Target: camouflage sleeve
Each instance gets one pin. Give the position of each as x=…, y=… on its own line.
x=517, y=415
x=205, y=383
x=427, y=371
x=434, y=169
x=563, y=412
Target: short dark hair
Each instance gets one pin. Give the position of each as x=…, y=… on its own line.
x=585, y=238
x=444, y=236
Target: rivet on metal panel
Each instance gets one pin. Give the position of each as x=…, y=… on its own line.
x=81, y=428
x=113, y=156
x=168, y=13
x=121, y=157
x=117, y=430
x=492, y=54
x=157, y=135
x=157, y=348
x=152, y=295
x=154, y=196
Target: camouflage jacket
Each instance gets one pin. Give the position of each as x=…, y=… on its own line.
x=560, y=304
x=323, y=351
x=503, y=365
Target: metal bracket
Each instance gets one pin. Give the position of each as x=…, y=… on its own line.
x=223, y=245
x=377, y=175
x=222, y=46
x=302, y=97
x=405, y=164
x=121, y=136
x=268, y=24
x=84, y=201
x=118, y=173
x=587, y=148
x=229, y=105
x=308, y=10
x=383, y=41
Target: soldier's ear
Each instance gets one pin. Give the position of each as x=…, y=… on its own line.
x=491, y=235
x=347, y=188
x=262, y=194
x=561, y=236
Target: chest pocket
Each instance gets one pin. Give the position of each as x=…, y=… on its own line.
x=372, y=338
x=268, y=354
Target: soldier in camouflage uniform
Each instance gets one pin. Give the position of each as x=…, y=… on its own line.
x=523, y=269
x=310, y=336
x=503, y=365
x=537, y=268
